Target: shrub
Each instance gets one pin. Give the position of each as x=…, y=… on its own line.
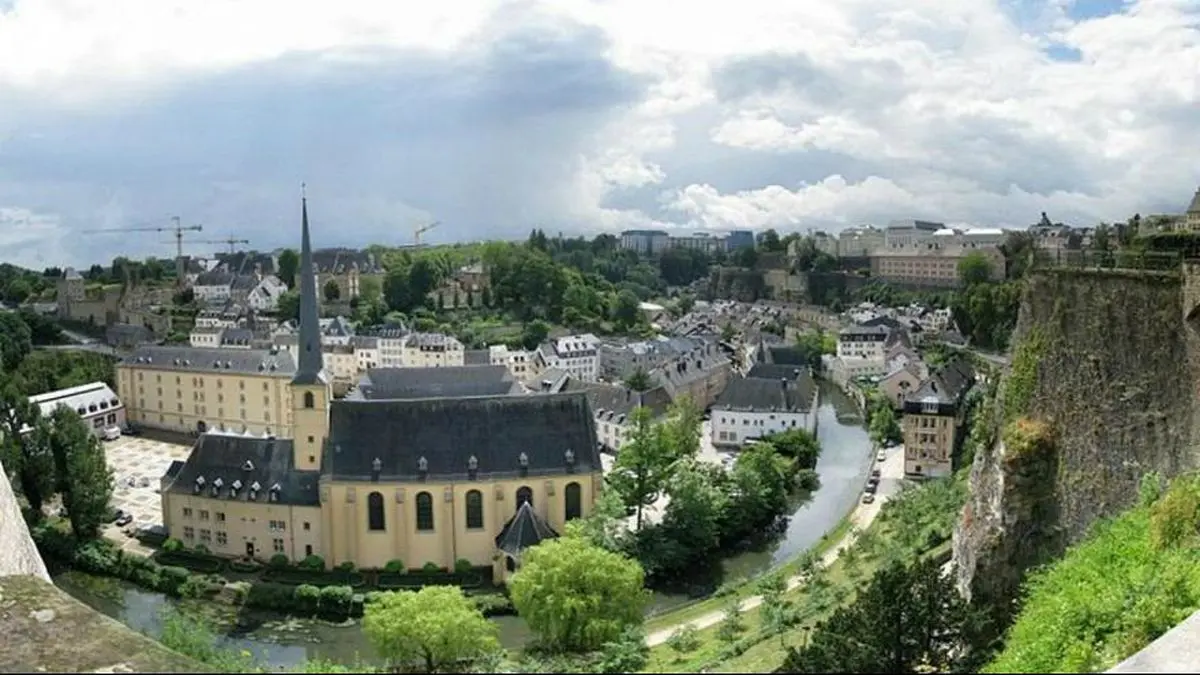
x=1175, y=516
x=312, y=562
x=268, y=595
x=684, y=640
x=194, y=587
x=463, y=566
x=394, y=566
x=244, y=566
x=335, y=600
x=431, y=568
x=201, y=549
x=278, y=561
x=308, y=598
x=346, y=567
x=494, y=604
x=172, y=579
x=172, y=544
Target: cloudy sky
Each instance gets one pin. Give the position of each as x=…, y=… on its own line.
x=582, y=115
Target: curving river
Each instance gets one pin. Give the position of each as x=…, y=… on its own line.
x=285, y=643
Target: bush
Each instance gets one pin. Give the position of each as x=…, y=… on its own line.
x=396, y=581
x=1175, y=517
x=346, y=567
x=394, y=566
x=174, y=578
x=201, y=549
x=312, y=562
x=279, y=561
x=494, y=604
x=320, y=578
x=196, y=562
x=431, y=568
x=195, y=586
x=335, y=601
x=244, y=566
x=172, y=544
x=462, y=566
x=308, y=598
x=684, y=640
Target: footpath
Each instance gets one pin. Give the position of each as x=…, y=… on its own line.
x=891, y=473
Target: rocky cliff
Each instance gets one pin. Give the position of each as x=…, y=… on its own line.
x=1102, y=389
x=18, y=554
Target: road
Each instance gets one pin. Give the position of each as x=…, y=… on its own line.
x=892, y=475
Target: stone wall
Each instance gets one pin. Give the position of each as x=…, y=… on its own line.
x=18, y=554
x=1108, y=362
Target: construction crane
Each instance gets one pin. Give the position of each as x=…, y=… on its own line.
x=421, y=229
x=175, y=229
x=228, y=241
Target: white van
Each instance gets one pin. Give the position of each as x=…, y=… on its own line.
x=111, y=433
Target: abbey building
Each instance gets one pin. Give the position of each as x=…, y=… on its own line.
x=394, y=472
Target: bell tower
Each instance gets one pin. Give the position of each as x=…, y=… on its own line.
x=311, y=389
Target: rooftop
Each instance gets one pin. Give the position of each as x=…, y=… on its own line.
x=205, y=360
x=763, y=395
x=412, y=383
x=239, y=467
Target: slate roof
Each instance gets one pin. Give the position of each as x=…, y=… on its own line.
x=781, y=355
x=85, y=399
x=432, y=340
x=223, y=459
x=387, y=331
x=411, y=383
x=867, y=329
x=498, y=431
x=524, y=530
x=244, y=282
x=214, y=278
x=946, y=385
x=124, y=332
x=237, y=336
x=338, y=327
x=364, y=342
x=776, y=371
x=213, y=361
x=763, y=395
x=476, y=357
x=614, y=402
x=688, y=368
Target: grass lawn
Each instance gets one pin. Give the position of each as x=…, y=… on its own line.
x=742, y=589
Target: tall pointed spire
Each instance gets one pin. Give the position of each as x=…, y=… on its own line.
x=308, y=370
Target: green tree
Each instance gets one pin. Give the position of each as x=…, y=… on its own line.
x=16, y=341
x=331, y=291
x=534, y=333
x=775, y=612
x=799, y=444
x=576, y=596
x=289, y=263
x=26, y=456
x=437, y=627
x=84, y=478
x=289, y=306
x=18, y=291
x=762, y=479
x=604, y=526
x=370, y=289
x=695, y=514
x=644, y=464
x=625, y=311
x=685, y=303
x=639, y=380
x=974, y=268
x=884, y=428
x=908, y=617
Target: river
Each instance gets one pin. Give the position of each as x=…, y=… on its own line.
x=286, y=643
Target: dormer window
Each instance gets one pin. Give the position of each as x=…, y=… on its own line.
x=472, y=463
x=248, y=466
x=523, y=460
x=376, y=465
x=237, y=485
x=255, y=486
x=570, y=456
x=422, y=464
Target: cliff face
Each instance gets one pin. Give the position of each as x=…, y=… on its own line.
x=1106, y=366
x=18, y=554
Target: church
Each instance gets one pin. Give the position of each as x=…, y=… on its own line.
x=387, y=476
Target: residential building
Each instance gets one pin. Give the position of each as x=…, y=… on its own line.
x=578, y=355
x=612, y=406
x=861, y=242
x=644, y=242
x=390, y=339
x=901, y=381
x=206, y=337
x=931, y=267
x=213, y=287
x=515, y=360
x=191, y=389
x=366, y=352
x=619, y=360
x=341, y=363
x=862, y=342
x=738, y=239
x=371, y=480
x=264, y=297
x=933, y=420
x=237, y=338
x=345, y=267
x=336, y=331
x=751, y=408
x=96, y=403
x=127, y=336
x=700, y=374
x=212, y=317
x=909, y=234
x=431, y=350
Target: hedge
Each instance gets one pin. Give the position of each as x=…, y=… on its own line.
x=335, y=602
x=321, y=578
x=102, y=557
x=395, y=581
x=244, y=566
x=196, y=562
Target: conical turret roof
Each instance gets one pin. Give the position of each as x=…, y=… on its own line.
x=1195, y=207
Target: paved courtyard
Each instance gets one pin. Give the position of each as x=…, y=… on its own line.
x=138, y=464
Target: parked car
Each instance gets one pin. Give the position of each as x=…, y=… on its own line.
x=144, y=482
x=868, y=498
x=132, y=430
x=876, y=473
x=872, y=486
x=117, y=515
x=124, y=520
x=881, y=456
x=111, y=433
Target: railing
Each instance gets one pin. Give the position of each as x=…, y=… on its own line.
x=1162, y=261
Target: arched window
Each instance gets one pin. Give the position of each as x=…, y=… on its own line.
x=474, y=510
x=375, y=518
x=574, y=501
x=524, y=494
x=424, y=512
x=309, y=400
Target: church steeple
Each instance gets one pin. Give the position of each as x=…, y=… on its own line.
x=309, y=366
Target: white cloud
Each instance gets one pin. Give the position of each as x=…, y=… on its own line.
x=755, y=113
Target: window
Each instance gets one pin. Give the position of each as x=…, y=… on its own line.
x=424, y=512
x=265, y=387
x=375, y=517
x=474, y=510
x=189, y=533
x=277, y=544
x=187, y=512
x=309, y=400
x=277, y=525
x=220, y=517
x=307, y=526
x=222, y=538
x=206, y=536
x=203, y=514
x=573, y=501
x=524, y=494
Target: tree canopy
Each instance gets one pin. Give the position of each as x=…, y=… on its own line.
x=437, y=628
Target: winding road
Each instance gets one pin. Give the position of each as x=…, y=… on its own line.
x=891, y=474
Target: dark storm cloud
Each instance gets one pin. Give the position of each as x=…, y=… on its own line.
x=484, y=141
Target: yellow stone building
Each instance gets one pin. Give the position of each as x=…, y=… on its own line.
x=400, y=474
